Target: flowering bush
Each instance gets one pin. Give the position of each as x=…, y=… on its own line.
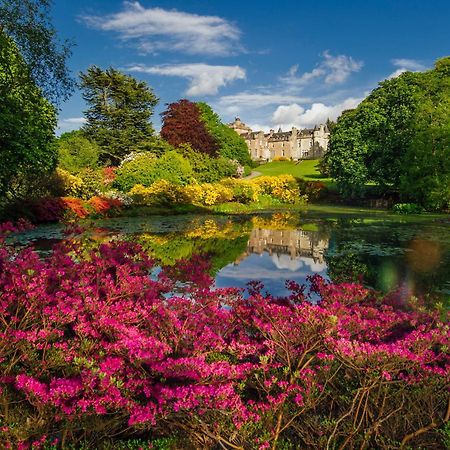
x=312, y=189
x=244, y=191
x=101, y=205
x=69, y=184
x=91, y=347
x=282, y=187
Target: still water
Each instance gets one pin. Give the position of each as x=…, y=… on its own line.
x=384, y=252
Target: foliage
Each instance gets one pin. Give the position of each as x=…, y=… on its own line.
x=312, y=189
x=244, y=191
x=283, y=187
x=27, y=22
x=280, y=158
x=67, y=184
x=426, y=178
x=145, y=169
x=92, y=347
x=76, y=152
x=182, y=124
x=27, y=123
x=207, y=169
x=398, y=138
x=407, y=208
x=231, y=144
x=120, y=108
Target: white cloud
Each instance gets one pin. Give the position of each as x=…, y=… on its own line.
x=333, y=70
x=154, y=29
x=70, y=124
x=204, y=79
x=257, y=100
x=405, y=65
x=295, y=115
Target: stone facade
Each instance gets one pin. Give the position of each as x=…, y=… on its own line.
x=295, y=144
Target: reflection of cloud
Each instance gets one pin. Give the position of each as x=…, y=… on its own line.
x=286, y=262
x=315, y=267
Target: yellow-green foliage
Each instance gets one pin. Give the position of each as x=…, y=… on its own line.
x=70, y=185
x=162, y=192
x=213, y=194
x=283, y=187
x=244, y=191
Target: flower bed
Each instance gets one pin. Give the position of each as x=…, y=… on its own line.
x=92, y=350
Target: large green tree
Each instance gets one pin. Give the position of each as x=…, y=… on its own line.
x=397, y=138
x=231, y=145
x=118, y=117
x=426, y=174
x=27, y=123
x=28, y=23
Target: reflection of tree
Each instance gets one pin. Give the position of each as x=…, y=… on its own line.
x=221, y=242
x=381, y=252
x=346, y=266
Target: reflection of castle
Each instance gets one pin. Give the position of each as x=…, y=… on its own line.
x=294, y=144
x=295, y=243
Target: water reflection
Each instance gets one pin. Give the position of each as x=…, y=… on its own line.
x=274, y=256
x=385, y=253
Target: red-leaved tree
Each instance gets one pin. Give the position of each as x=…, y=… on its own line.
x=182, y=125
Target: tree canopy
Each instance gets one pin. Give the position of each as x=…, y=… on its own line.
x=182, y=124
x=398, y=137
x=118, y=117
x=28, y=24
x=231, y=145
x=27, y=123
x=76, y=152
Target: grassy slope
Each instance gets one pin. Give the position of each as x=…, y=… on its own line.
x=306, y=169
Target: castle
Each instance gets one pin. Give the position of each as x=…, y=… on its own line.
x=295, y=144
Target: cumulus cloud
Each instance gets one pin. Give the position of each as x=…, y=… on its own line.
x=257, y=100
x=70, y=124
x=204, y=79
x=332, y=69
x=288, y=116
x=405, y=65
x=155, y=29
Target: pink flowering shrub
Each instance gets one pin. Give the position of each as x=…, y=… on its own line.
x=93, y=347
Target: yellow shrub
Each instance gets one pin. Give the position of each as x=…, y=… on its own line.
x=244, y=191
x=70, y=185
x=214, y=194
x=161, y=192
x=282, y=187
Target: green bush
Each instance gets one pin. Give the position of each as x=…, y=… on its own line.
x=407, y=208
x=207, y=169
x=76, y=152
x=145, y=169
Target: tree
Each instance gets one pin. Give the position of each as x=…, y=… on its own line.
x=231, y=145
x=182, y=124
x=120, y=108
x=426, y=178
x=76, y=152
x=27, y=23
x=398, y=137
x=27, y=123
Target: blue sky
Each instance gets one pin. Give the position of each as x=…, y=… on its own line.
x=283, y=63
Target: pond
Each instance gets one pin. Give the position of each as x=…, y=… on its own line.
x=383, y=251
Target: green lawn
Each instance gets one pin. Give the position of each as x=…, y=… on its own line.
x=306, y=169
